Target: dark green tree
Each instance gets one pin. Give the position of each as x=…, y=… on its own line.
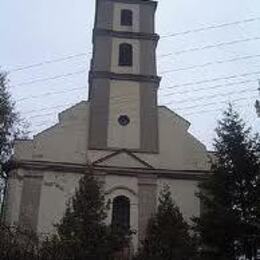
x=167, y=234
x=14, y=243
x=10, y=128
x=17, y=244
x=228, y=225
x=82, y=232
x=8, y=121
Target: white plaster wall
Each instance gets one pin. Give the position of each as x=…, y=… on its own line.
x=117, y=17
x=124, y=186
x=124, y=100
x=67, y=140
x=23, y=150
x=94, y=155
x=14, y=194
x=178, y=149
x=57, y=189
x=135, y=69
x=183, y=193
x=122, y=160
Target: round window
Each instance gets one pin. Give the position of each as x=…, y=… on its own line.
x=123, y=120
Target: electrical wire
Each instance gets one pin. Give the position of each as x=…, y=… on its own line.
x=211, y=46
x=218, y=62
x=69, y=57
x=168, y=103
x=212, y=96
x=214, y=79
x=207, y=88
x=211, y=27
x=51, y=78
x=42, y=123
x=49, y=94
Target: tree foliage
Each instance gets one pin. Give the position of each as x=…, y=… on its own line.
x=231, y=195
x=167, y=234
x=8, y=121
x=17, y=244
x=82, y=232
x=10, y=127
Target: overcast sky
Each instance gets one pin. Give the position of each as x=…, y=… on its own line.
x=202, y=70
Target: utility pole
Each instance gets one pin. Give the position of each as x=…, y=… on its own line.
x=257, y=103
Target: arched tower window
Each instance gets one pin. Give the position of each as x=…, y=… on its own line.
x=125, y=54
x=121, y=212
x=126, y=17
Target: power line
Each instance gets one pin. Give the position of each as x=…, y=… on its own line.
x=206, y=47
x=209, y=110
x=41, y=115
x=47, y=108
x=175, y=86
x=211, y=103
x=213, y=96
x=213, y=80
x=21, y=68
x=185, y=114
x=69, y=57
x=42, y=123
x=164, y=95
x=49, y=94
x=211, y=27
x=207, y=88
x=161, y=56
x=211, y=63
x=51, y=78
x=169, y=103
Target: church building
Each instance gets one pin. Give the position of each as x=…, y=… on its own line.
x=133, y=145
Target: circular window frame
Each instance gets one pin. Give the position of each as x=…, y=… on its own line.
x=123, y=120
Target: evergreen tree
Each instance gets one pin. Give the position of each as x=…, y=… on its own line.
x=14, y=243
x=167, y=234
x=8, y=119
x=82, y=233
x=10, y=127
x=231, y=195
x=17, y=244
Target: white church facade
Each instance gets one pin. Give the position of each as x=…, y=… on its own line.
x=133, y=145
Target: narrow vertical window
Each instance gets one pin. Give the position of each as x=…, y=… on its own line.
x=126, y=17
x=121, y=212
x=125, y=54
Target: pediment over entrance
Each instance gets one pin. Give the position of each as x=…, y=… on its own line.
x=122, y=158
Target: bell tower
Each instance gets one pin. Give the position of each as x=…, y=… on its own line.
x=123, y=79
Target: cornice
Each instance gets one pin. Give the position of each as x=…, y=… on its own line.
x=142, y=2
x=130, y=77
x=129, y=35
x=120, y=171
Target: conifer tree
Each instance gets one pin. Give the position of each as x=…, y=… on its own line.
x=8, y=119
x=228, y=224
x=167, y=234
x=10, y=127
x=17, y=244
x=82, y=232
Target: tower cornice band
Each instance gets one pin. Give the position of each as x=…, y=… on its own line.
x=143, y=2
x=126, y=35
x=130, y=77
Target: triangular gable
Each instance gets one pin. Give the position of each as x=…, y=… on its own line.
x=122, y=158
